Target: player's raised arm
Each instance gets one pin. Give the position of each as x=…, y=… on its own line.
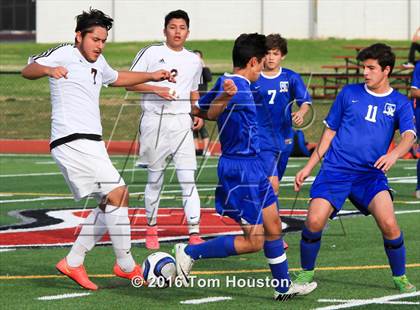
x=319, y=152
x=220, y=103
x=130, y=78
x=35, y=71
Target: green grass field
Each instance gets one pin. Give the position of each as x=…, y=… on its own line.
x=352, y=260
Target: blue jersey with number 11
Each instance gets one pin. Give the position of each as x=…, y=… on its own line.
x=365, y=123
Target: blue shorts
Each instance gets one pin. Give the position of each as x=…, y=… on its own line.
x=243, y=189
x=274, y=163
x=360, y=188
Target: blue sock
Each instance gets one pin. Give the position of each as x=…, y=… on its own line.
x=219, y=247
x=277, y=261
x=395, y=250
x=418, y=174
x=309, y=248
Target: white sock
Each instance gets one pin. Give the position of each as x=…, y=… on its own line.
x=119, y=230
x=190, y=199
x=193, y=228
x=93, y=229
x=152, y=195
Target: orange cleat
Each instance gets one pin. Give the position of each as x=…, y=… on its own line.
x=285, y=245
x=152, y=241
x=77, y=274
x=137, y=272
x=195, y=239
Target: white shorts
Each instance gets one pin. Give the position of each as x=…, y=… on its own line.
x=163, y=136
x=86, y=166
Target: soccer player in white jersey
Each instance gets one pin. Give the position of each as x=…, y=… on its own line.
x=359, y=129
x=76, y=74
x=165, y=127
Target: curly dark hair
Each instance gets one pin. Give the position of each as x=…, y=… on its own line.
x=87, y=20
x=380, y=52
x=276, y=41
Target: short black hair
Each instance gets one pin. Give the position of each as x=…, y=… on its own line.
x=380, y=52
x=276, y=41
x=87, y=20
x=177, y=14
x=198, y=52
x=246, y=46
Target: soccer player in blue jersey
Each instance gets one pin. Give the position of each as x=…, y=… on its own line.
x=415, y=94
x=359, y=129
x=275, y=91
x=244, y=192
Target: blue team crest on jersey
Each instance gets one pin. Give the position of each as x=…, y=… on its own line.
x=284, y=86
x=389, y=109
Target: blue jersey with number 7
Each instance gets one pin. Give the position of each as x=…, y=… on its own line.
x=274, y=96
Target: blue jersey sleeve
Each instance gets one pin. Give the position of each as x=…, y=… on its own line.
x=336, y=112
x=405, y=117
x=415, y=83
x=205, y=101
x=300, y=92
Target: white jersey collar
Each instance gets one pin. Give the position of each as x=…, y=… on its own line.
x=173, y=51
x=272, y=76
x=378, y=95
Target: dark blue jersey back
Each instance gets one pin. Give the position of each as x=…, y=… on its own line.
x=365, y=123
x=274, y=96
x=238, y=123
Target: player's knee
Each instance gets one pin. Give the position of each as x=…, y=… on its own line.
x=118, y=197
x=188, y=190
x=390, y=229
x=273, y=228
x=154, y=187
x=314, y=224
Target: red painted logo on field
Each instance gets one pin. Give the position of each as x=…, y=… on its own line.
x=60, y=227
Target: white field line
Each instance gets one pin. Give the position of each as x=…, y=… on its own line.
x=63, y=296
x=410, y=168
x=371, y=301
x=28, y=174
x=35, y=199
x=7, y=250
x=204, y=300
x=207, y=189
x=382, y=303
x=407, y=211
x=58, y=173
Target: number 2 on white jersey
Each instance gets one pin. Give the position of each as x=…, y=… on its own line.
x=371, y=113
x=272, y=93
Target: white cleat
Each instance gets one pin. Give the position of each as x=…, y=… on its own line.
x=295, y=289
x=184, y=263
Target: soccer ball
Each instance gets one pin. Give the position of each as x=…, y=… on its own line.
x=159, y=270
